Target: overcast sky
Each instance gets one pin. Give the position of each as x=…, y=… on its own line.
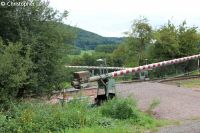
x=113, y=17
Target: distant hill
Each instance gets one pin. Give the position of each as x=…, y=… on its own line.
x=86, y=40
x=89, y=40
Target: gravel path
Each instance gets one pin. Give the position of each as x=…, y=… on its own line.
x=188, y=127
x=176, y=103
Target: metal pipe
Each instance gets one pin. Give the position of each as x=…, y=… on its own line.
x=97, y=67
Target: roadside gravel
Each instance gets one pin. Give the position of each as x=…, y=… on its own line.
x=188, y=127
x=176, y=103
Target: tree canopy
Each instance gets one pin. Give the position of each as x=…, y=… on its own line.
x=33, y=44
x=166, y=42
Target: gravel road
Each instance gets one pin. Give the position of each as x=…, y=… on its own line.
x=176, y=103
x=188, y=127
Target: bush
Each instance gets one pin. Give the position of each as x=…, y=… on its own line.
x=120, y=109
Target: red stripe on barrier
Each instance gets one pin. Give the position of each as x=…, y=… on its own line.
x=127, y=71
x=115, y=74
x=121, y=72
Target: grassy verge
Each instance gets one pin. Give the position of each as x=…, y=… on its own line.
x=82, y=53
x=87, y=52
x=115, y=116
x=191, y=83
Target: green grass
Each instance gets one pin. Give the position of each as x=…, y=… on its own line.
x=67, y=85
x=118, y=128
x=191, y=83
x=195, y=72
x=82, y=53
x=115, y=116
x=86, y=52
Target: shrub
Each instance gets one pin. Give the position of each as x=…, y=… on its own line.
x=120, y=108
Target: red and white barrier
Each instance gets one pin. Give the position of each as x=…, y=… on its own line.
x=140, y=68
x=154, y=65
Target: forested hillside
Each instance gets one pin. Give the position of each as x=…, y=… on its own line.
x=87, y=40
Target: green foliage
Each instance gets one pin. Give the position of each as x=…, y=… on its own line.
x=172, y=42
x=33, y=43
x=119, y=58
x=89, y=59
x=141, y=29
x=188, y=40
x=121, y=127
x=13, y=71
x=75, y=116
x=40, y=117
x=9, y=25
x=105, y=48
x=74, y=51
x=132, y=51
x=140, y=37
x=120, y=109
x=87, y=40
x=166, y=45
x=125, y=55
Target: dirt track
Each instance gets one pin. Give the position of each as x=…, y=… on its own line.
x=176, y=103
x=187, y=127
